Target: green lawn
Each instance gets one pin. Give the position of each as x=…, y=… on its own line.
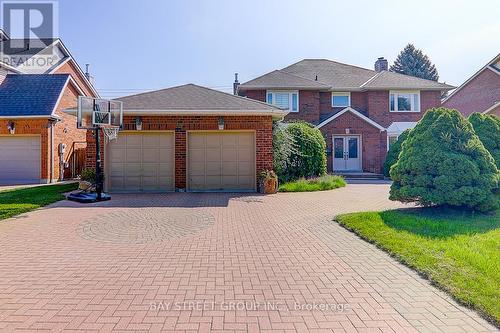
x=459, y=251
x=323, y=183
x=14, y=202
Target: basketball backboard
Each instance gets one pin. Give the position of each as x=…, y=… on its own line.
x=98, y=112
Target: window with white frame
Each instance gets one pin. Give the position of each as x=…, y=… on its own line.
x=404, y=101
x=391, y=139
x=288, y=100
x=341, y=99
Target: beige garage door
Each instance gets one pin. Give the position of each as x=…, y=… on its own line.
x=141, y=162
x=19, y=159
x=221, y=161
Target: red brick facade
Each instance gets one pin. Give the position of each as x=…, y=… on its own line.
x=373, y=140
x=315, y=106
x=262, y=125
x=64, y=131
x=477, y=95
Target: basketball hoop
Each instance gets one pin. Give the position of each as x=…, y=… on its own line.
x=100, y=114
x=110, y=133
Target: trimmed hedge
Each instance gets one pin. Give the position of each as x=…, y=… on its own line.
x=487, y=128
x=443, y=162
x=393, y=153
x=299, y=151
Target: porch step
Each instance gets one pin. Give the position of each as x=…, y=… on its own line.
x=360, y=175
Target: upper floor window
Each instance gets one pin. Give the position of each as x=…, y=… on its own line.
x=288, y=100
x=341, y=99
x=404, y=101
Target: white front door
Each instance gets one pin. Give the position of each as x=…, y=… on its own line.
x=346, y=153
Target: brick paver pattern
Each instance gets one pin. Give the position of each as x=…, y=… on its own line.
x=232, y=263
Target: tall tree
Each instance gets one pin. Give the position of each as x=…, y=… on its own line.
x=412, y=61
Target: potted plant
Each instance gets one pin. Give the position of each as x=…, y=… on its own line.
x=268, y=182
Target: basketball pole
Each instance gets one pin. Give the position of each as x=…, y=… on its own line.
x=98, y=176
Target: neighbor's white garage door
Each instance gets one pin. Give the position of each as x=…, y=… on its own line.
x=221, y=161
x=141, y=162
x=19, y=159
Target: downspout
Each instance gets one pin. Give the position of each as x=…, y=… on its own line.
x=51, y=167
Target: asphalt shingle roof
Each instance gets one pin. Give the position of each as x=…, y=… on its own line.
x=391, y=80
x=192, y=97
x=30, y=94
x=332, y=75
x=280, y=79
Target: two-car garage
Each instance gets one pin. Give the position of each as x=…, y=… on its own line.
x=189, y=138
x=216, y=161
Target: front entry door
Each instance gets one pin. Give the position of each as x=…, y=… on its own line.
x=346, y=153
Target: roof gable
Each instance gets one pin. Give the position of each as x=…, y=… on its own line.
x=31, y=94
x=493, y=65
x=192, y=97
x=356, y=113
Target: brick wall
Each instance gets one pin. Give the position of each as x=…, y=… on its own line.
x=378, y=107
x=373, y=141
x=70, y=68
x=477, y=95
x=65, y=131
x=180, y=124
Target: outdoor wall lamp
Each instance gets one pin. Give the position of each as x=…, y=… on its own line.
x=347, y=130
x=221, y=123
x=11, y=127
x=138, y=123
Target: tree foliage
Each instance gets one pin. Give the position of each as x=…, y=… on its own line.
x=443, y=162
x=487, y=128
x=412, y=61
x=298, y=151
x=393, y=153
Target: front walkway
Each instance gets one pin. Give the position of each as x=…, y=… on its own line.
x=186, y=262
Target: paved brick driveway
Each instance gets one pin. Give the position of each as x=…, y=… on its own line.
x=213, y=262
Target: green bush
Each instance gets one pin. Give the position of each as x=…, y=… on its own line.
x=443, y=162
x=393, y=153
x=88, y=175
x=323, y=183
x=487, y=128
x=299, y=151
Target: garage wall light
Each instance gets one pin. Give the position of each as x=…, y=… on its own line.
x=221, y=123
x=11, y=127
x=138, y=124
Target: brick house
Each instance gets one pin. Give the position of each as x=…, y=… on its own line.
x=36, y=84
x=359, y=111
x=480, y=93
x=188, y=138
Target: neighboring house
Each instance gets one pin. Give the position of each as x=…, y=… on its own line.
x=480, y=93
x=32, y=124
x=359, y=111
x=188, y=138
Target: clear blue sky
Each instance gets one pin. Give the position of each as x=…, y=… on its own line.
x=134, y=46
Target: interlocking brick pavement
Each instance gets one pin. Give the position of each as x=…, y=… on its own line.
x=232, y=263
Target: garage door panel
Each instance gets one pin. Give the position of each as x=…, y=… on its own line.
x=230, y=154
x=20, y=159
x=165, y=155
x=221, y=161
x=150, y=155
x=142, y=162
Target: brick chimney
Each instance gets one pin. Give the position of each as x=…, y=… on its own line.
x=236, y=83
x=381, y=64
